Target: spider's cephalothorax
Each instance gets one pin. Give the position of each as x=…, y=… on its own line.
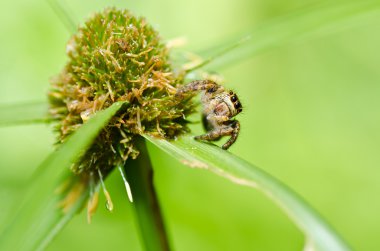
x=219, y=107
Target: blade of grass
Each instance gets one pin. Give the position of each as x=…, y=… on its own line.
x=147, y=209
x=26, y=113
x=298, y=26
x=58, y=220
x=64, y=14
x=206, y=156
x=39, y=218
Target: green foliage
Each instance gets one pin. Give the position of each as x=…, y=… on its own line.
x=294, y=27
x=39, y=218
x=27, y=113
x=206, y=156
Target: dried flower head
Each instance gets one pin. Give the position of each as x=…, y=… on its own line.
x=117, y=57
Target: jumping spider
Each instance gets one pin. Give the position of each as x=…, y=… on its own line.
x=219, y=107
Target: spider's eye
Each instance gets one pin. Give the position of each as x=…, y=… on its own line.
x=237, y=105
x=239, y=110
x=231, y=93
x=233, y=98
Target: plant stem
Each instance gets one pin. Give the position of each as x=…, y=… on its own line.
x=147, y=210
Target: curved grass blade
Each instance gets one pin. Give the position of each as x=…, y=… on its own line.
x=206, y=156
x=39, y=218
x=26, y=113
x=300, y=25
x=64, y=14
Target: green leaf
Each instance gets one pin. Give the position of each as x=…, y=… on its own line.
x=39, y=218
x=206, y=156
x=26, y=113
x=298, y=26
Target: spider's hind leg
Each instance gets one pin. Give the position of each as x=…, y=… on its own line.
x=198, y=85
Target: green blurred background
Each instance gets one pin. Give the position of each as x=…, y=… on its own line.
x=311, y=119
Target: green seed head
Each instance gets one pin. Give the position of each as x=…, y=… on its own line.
x=117, y=57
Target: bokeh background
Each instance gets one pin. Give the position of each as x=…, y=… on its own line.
x=311, y=119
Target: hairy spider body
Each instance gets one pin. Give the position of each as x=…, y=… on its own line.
x=219, y=108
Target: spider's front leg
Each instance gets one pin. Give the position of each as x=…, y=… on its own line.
x=215, y=134
x=231, y=129
x=235, y=125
